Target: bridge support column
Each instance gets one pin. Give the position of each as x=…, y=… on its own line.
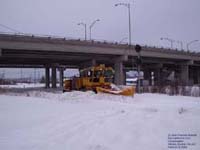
x=147, y=75
x=61, y=77
x=124, y=76
x=119, y=74
x=184, y=74
x=47, y=77
x=198, y=75
x=94, y=62
x=158, y=76
x=53, y=79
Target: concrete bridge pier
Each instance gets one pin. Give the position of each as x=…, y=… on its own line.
x=47, y=77
x=147, y=75
x=194, y=75
x=158, y=76
x=185, y=74
x=198, y=75
x=61, y=76
x=120, y=71
x=119, y=74
x=124, y=76
x=53, y=77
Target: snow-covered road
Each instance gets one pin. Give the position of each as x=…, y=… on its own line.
x=86, y=121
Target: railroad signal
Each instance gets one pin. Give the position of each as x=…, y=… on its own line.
x=138, y=48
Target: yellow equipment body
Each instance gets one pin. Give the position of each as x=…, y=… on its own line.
x=99, y=79
x=90, y=78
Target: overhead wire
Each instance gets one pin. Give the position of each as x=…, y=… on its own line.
x=14, y=30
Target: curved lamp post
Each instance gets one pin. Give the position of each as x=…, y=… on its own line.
x=170, y=40
x=191, y=42
x=85, y=26
x=92, y=24
x=127, y=5
x=122, y=40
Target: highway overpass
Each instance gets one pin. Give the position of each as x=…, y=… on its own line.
x=55, y=52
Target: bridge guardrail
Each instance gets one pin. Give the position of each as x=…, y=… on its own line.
x=96, y=41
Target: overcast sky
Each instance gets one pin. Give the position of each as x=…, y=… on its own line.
x=151, y=19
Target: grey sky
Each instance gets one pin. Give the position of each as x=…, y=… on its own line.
x=151, y=19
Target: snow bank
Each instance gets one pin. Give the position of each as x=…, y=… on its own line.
x=23, y=85
x=71, y=96
x=180, y=90
x=195, y=91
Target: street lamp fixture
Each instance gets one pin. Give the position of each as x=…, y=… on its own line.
x=85, y=26
x=92, y=24
x=127, y=5
x=170, y=40
x=191, y=42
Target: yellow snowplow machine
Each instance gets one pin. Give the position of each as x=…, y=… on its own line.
x=90, y=78
x=97, y=78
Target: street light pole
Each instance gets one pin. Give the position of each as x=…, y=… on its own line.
x=181, y=43
x=139, y=84
x=92, y=24
x=170, y=40
x=127, y=5
x=138, y=49
x=188, y=44
x=129, y=16
x=85, y=26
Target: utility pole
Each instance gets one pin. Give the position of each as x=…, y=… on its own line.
x=85, y=26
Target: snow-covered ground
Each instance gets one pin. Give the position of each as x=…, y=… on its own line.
x=38, y=120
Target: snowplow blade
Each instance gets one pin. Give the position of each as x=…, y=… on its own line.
x=128, y=91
